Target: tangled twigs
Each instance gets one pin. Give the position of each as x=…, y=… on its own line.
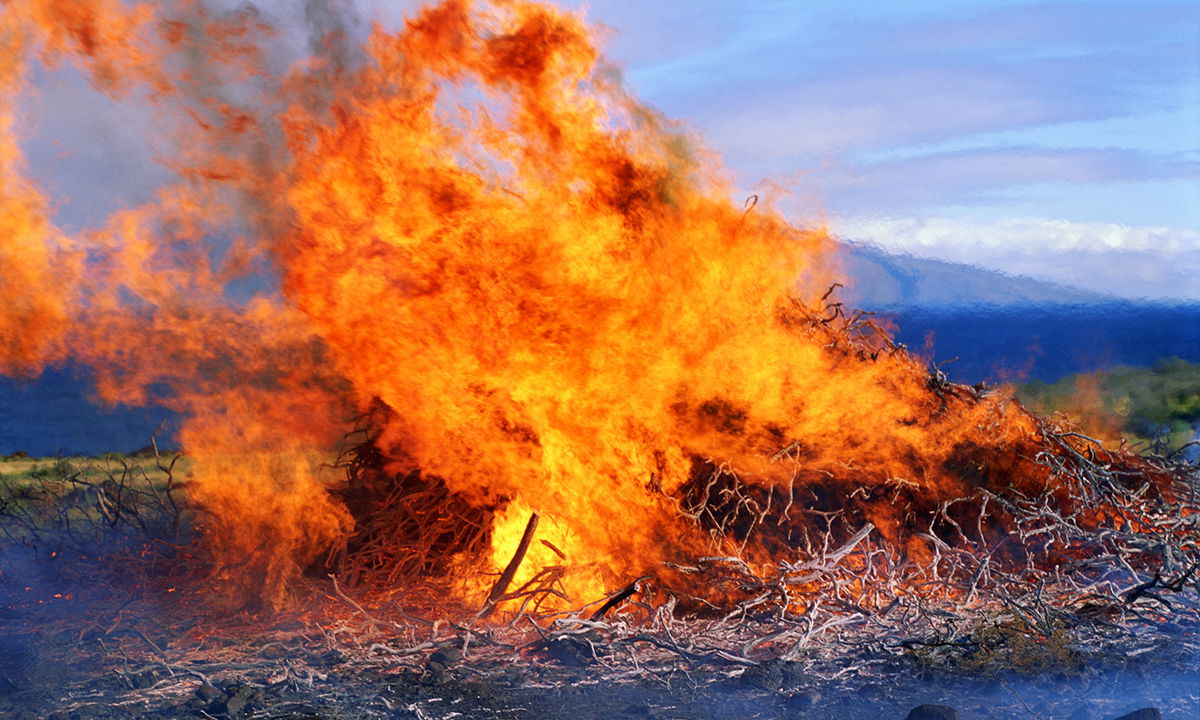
x=113, y=504
x=407, y=525
x=1018, y=516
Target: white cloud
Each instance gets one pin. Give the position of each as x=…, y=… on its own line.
x=1159, y=263
x=914, y=108
x=974, y=177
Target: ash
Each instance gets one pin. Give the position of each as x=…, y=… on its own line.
x=351, y=658
x=1088, y=622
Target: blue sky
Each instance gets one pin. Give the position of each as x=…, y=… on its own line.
x=1041, y=138
x=1089, y=111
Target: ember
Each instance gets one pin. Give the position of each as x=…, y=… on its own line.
x=538, y=299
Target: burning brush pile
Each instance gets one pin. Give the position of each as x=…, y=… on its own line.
x=587, y=396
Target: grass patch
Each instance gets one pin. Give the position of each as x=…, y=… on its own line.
x=1156, y=408
x=86, y=506
x=999, y=644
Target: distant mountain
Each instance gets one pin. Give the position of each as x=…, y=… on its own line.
x=1140, y=264
x=877, y=279
x=998, y=327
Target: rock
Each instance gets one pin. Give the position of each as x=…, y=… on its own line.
x=435, y=674
x=196, y=704
x=437, y=667
x=767, y=675
x=446, y=656
x=932, y=712
x=570, y=651
x=800, y=702
x=235, y=701
x=794, y=675
x=235, y=705
x=1143, y=714
x=207, y=692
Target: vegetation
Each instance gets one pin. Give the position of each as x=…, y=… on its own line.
x=20, y=469
x=87, y=505
x=996, y=644
x=1157, y=408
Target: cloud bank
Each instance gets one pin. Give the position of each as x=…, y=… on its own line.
x=1128, y=262
x=990, y=110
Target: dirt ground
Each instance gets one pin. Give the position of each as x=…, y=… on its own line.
x=60, y=676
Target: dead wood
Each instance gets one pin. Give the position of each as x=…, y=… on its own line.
x=510, y=570
x=619, y=597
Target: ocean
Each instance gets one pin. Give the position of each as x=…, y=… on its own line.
x=54, y=414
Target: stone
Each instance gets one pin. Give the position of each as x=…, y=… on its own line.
x=570, y=651
x=207, y=692
x=446, y=656
x=932, y=712
x=794, y=675
x=235, y=702
x=435, y=674
x=767, y=675
x=1143, y=714
x=235, y=705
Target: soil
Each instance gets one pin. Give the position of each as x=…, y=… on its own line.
x=285, y=676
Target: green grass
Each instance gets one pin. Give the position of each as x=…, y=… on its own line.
x=82, y=502
x=998, y=644
x=1158, y=407
x=20, y=469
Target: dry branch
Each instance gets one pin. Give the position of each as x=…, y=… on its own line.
x=510, y=570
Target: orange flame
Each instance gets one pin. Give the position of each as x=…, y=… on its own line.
x=476, y=224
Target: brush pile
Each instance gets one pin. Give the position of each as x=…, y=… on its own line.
x=795, y=594
x=1048, y=525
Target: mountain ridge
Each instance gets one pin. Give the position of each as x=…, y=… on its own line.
x=876, y=279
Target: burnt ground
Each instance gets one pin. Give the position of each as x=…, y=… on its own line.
x=307, y=669
x=1108, y=625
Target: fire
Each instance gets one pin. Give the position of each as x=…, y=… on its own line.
x=471, y=221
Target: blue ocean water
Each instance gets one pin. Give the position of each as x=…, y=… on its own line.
x=54, y=415
x=1048, y=342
